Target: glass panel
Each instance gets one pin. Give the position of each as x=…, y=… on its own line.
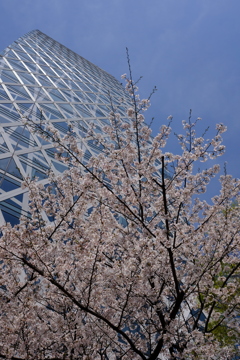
x=26, y=78
x=3, y=145
x=44, y=80
x=83, y=110
x=95, y=146
x=51, y=152
x=81, y=96
x=3, y=64
x=38, y=93
x=87, y=155
x=7, y=183
x=23, y=56
x=51, y=111
x=13, y=219
x=34, y=68
x=18, y=92
x=9, y=165
x=17, y=65
x=22, y=135
x=11, y=54
x=92, y=96
x=56, y=95
x=67, y=108
x=61, y=126
x=93, y=88
x=8, y=76
x=48, y=70
x=3, y=94
x=8, y=110
x=83, y=86
x=35, y=165
x=58, y=166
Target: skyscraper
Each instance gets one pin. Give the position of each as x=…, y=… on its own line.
x=42, y=80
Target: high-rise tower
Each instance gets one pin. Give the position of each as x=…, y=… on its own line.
x=40, y=79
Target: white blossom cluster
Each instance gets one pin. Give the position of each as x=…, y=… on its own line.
x=121, y=258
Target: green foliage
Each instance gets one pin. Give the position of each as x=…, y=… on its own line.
x=224, y=334
x=221, y=328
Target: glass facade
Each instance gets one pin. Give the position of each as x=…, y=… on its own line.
x=40, y=79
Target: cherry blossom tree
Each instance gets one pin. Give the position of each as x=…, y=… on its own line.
x=122, y=258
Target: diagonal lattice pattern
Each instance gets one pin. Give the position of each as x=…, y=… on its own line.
x=42, y=79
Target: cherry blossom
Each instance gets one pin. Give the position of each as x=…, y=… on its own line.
x=122, y=257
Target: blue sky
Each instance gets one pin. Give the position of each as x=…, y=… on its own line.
x=189, y=49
